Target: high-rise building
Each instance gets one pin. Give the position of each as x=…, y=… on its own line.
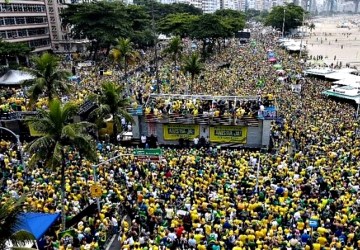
x=25, y=21
x=210, y=6
x=60, y=35
x=229, y=4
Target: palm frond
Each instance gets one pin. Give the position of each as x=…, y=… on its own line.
x=86, y=146
x=10, y=213
x=48, y=78
x=19, y=237
x=69, y=110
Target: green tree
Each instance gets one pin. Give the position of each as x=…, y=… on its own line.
x=251, y=14
x=101, y=22
x=14, y=49
x=160, y=10
x=111, y=102
x=58, y=132
x=193, y=66
x=209, y=28
x=311, y=27
x=178, y=24
x=49, y=79
x=174, y=49
x=234, y=19
x=142, y=33
x=293, y=17
x=10, y=213
x=124, y=54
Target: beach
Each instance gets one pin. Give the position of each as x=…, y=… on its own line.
x=336, y=38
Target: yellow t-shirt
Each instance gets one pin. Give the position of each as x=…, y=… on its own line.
x=198, y=238
x=201, y=247
x=322, y=240
x=316, y=246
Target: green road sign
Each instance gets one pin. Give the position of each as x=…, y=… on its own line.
x=148, y=152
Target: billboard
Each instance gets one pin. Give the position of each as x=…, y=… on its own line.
x=235, y=134
x=176, y=131
x=242, y=34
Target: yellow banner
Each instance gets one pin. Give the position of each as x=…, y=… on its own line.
x=176, y=131
x=228, y=134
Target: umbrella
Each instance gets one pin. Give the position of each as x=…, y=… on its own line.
x=272, y=59
x=277, y=66
x=280, y=72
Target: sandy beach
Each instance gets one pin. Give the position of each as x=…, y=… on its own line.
x=334, y=43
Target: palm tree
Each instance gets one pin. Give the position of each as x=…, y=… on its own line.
x=58, y=131
x=49, y=79
x=111, y=102
x=174, y=49
x=193, y=66
x=311, y=27
x=124, y=53
x=10, y=213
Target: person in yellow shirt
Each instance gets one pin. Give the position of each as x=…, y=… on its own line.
x=322, y=240
x=316, y=246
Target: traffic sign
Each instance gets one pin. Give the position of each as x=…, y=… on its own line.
x=95, y=190
x=148, y=152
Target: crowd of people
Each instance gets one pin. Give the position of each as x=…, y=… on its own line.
x=302, y=195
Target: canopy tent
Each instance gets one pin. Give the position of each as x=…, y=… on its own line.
x=319, y=71
x=341, y=74
x=37, y=223
x=350, y=80
x=271, y=54
x=15, y=77
x=277, y=66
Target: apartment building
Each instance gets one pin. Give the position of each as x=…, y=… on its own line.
x=60, y=35
x=25, y=21
x=210, y=6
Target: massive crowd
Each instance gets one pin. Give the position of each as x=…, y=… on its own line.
x=306, y=195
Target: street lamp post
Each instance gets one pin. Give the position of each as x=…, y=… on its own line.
x=95, y=177
x=18, y=142
x=302, y=33
x=257, y=175
x=155, y=44
x=283, y=26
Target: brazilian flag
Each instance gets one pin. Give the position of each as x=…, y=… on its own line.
x=260, y=84
x=253, y=44
x=69, y=232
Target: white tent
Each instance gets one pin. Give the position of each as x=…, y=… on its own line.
x=341, y=74
x=15, y=77
x=351, y=80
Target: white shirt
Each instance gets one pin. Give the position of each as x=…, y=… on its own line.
x=143, y=139
x=196, y=140
x=169, y=213
x=172, y=236
x=114, y=222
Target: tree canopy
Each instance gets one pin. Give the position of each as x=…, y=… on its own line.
x=177, y=24
x=49, y=79
x=293, y=17
x=89, y=20
x=235, y=20
x=141, y=22
x=210, y=26
x=14, y=49
x=162, y=10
